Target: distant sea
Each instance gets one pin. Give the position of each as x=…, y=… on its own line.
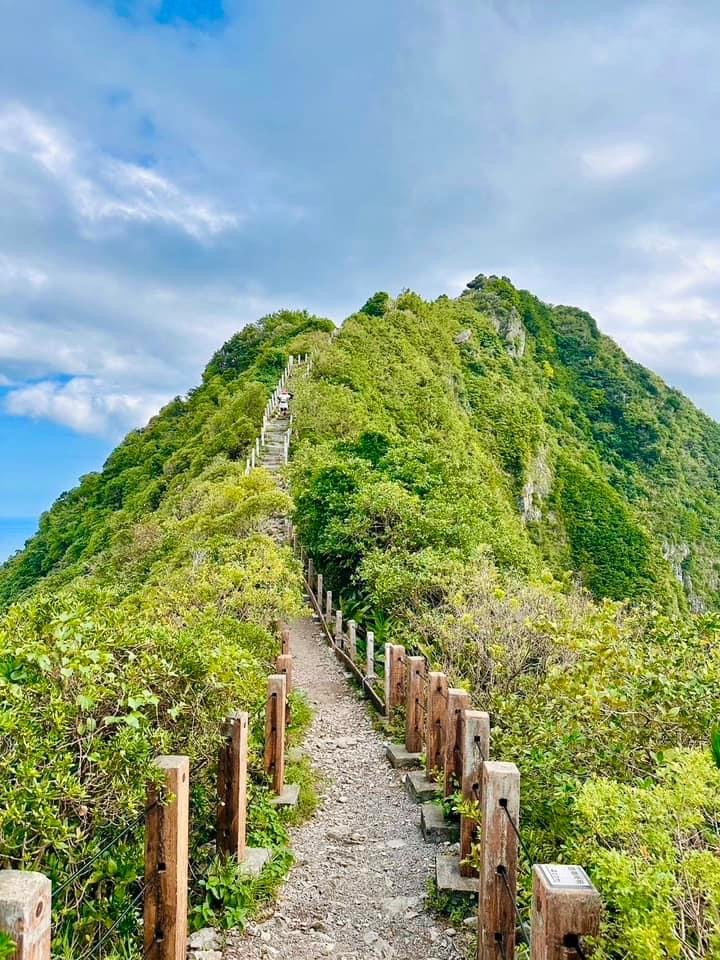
x=14, y=531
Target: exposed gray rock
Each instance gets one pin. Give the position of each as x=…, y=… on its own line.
x=463, y=337
x=205, y=939
x=538, y=487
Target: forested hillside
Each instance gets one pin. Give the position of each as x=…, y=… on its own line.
x=470, y=474
x=156, y=618
x=505, y=490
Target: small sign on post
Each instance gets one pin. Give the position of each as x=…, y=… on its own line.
x=497, y=889
x=475, y=734
x=415, y=703
x=565, y=909
x=232, y=788
x=275, y=732
x=25, y=909
x=458, y=700
x=166, y=863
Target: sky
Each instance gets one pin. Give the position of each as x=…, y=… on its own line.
x=171, y=170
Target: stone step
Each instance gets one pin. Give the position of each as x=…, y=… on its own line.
x=435, y=828
x=419, y=788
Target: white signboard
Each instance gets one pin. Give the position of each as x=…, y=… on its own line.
x=559, y=875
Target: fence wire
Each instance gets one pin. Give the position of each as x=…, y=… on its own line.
x=83, y=868
x=93, y=950
x=523, y=846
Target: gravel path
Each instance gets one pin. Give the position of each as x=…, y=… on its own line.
x=362, y=867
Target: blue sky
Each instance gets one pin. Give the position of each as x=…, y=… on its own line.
x=172, y=169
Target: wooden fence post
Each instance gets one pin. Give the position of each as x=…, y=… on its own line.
x=566, y=907
x=437, y=704
x=319, y=594
x=328, y=606
x=369, y=654
x=415, y=703
x=394, y=676
x=284, y=665
x=285, y=641
x=352, y=640
x=475, y=733
x=25, y=909
x=338, y=628
x=232, y=788
x=310, y=573
x=275, y=731
x=166, y=863
x=499, y=860
x=458, y=700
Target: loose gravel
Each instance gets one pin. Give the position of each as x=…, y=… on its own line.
x=362, y=867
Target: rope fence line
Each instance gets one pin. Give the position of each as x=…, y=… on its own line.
x=565, y=910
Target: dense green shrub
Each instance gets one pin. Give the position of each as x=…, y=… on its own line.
x=469, y=472
x=156, y=617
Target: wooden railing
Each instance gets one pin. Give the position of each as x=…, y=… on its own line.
x=456, y=740
x=26, y=897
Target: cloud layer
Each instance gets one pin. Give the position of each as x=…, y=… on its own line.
x=171, y=170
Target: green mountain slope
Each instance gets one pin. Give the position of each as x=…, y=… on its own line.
x=220, y=418
x=488, y=480
x=571, y=455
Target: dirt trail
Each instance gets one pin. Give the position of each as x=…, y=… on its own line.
x=362, y=868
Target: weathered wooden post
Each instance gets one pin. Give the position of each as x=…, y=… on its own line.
x=394, y=676
x=232, y=788
x=437, y=705
x=339, y=628
x=369, y=654
x=319, y=594
x=25, y=910
x=565, y=908
x=497, y=891
x=475, y=735
x=275, y=731
x=285, y=641
x=252, y=459
x=166, y=862
x=284, y=665
x=458, y=700
x=416, y=673
x=352, y=640
x=328, y=606
x=311, y=574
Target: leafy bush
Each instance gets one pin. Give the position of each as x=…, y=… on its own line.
x=156, y=618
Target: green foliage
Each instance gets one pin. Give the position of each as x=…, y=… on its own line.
x=157, y=618
x=470, y=472
x=218, y=419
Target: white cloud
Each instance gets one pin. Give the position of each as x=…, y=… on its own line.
x=84, y=404
x=102, y=188
x=612, y=160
